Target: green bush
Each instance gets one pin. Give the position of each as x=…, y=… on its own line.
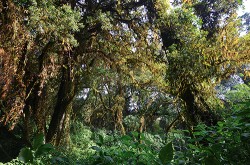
x=127, y=149
x=40, y=153
x=226, y=143
x=131, y=122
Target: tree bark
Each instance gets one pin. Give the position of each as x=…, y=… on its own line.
x=33, y=109
x=197, y=109
x=191, y=108
x=120, y=103
x=63, y=105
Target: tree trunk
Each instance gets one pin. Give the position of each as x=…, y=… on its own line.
x=119, y=105
x=141, y=128
x=34, y=109
x=197, y=110
x=63, y=106
x=191, y=107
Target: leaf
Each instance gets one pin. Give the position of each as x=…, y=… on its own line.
x=166, y=154
x=243, y=113
x=193, y=147
x=101, y=139
x=109, y=159
x=198, y=133
x=220, y=124
x=216, y=147
x=25, y=155
x=211, y=160
x=38, y=141
x=247, y=124
x=246, y=135
x=58, y=160
x=126, y=138
x=128, y=154
x=134, y=134
x=240, y=2
x=43, y=149
x=96, y=148
x=143, y=146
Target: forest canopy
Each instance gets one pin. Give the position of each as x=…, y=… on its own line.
x=136, y=68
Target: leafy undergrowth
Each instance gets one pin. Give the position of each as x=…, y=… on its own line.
x=226, y=143
x=104, y=147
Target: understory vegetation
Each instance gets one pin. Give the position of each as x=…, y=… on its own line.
x=227, y=142
x=124, y=82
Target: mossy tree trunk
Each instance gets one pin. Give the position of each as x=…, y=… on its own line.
x=63, y=106
x=197, y=111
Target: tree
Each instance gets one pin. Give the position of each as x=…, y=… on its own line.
x=36, y=56
x=198, y=60
x=110, y=36
x=55, y=49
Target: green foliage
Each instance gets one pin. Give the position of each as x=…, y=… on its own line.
x=25, y=155
x=54, y=22
x=238, y=94
x=127, y=55
x=196, y=63
x=39, y=148
x=128, y=150
x=226, y=143
x=81, y=143
x=38, y=141
x=131, y=122
x=166, y=154
x=111, y=148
